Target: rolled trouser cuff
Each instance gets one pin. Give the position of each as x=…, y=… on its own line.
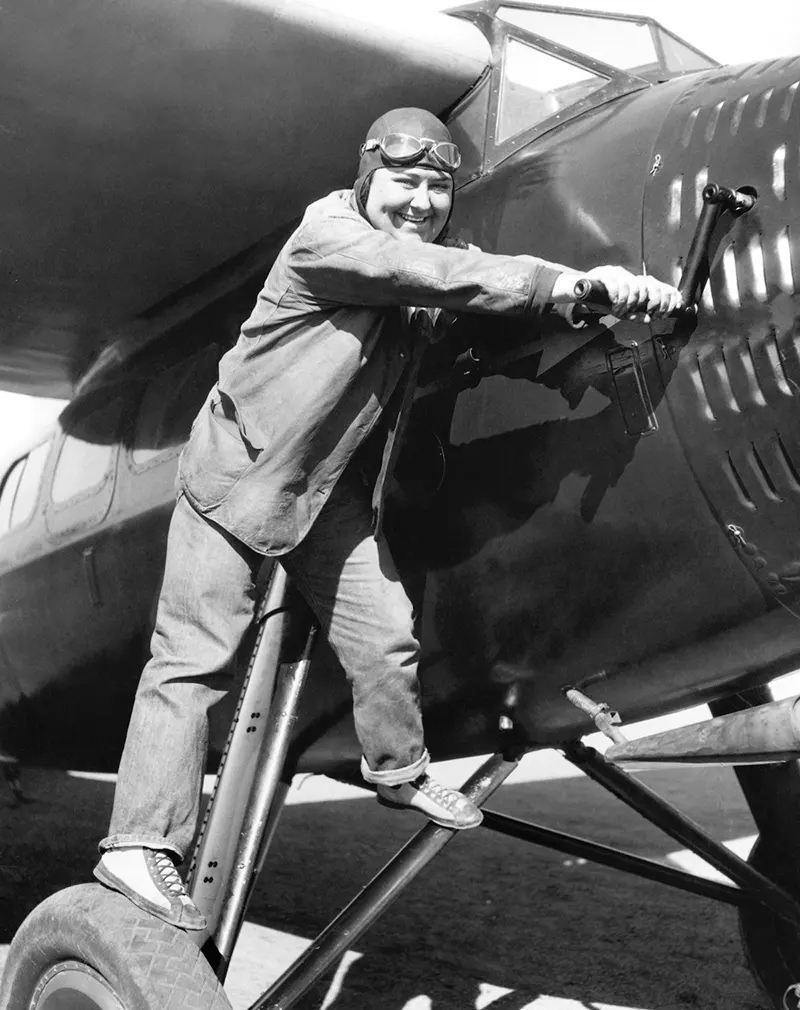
x=396, y=776
x=154, y=842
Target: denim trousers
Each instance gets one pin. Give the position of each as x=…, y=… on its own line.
x=207, y=602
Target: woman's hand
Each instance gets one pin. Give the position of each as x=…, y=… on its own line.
x=631, y=295
x=636, y=295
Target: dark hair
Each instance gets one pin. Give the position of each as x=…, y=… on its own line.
x=362, y=191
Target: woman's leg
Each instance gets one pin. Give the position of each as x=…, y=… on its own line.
x=206, y=604
x=350, y=581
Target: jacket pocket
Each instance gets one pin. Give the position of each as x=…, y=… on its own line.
x=215, y=458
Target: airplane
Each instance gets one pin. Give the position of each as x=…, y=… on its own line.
x=592, y=517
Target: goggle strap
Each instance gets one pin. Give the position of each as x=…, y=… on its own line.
x=430, y=148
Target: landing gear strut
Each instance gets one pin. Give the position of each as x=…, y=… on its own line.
x=91, y=949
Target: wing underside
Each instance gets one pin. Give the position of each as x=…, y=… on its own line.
x=145, y=144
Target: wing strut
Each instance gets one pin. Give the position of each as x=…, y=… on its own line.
x=384, y=887
x=251, y=784
x=248, y=799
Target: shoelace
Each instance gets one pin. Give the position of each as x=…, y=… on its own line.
x=169, y=874
x=441, y=794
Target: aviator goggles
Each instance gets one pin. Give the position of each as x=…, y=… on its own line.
x=403, y=149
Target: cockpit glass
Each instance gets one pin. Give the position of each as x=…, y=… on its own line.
x=535, y=86
x=637, y=47
x=679, y=58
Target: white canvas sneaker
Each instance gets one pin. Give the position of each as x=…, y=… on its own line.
x=149, y=879
x=444, y=806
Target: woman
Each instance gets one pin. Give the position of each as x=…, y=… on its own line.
x=266, y=472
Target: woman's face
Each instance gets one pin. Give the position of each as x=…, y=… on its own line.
x=410, y=202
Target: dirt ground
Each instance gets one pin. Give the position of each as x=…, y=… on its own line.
x=492, y=922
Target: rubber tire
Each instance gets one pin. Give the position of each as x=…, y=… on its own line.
x=146, y=963
x=772, y=945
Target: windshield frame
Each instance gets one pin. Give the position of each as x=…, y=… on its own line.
x=483, y=14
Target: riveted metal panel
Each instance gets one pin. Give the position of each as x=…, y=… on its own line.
x=735, y=389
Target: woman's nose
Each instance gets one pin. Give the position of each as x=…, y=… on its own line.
x=421, y=198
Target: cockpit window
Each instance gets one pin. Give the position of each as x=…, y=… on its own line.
x=536, y=85
x=638, y=47
x=28, y=490
x=81, y=466
x=21, y=488
x=550, y=65
x=678, y=57
x=85, y=464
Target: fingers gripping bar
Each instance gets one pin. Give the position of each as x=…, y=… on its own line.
x=593, y=294
x=716, y=200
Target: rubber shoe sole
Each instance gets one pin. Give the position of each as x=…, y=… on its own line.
x=179, y=920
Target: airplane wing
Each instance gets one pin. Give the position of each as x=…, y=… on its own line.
x=146, y=144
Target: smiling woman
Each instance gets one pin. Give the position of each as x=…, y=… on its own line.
x=410, y=202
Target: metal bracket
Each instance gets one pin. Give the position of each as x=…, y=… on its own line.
x=630, y=384
x=603, y=716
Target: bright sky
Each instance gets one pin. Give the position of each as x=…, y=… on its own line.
x=733, y=32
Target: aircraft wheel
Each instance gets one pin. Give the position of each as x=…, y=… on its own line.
x=772, y=945
x=87, y=948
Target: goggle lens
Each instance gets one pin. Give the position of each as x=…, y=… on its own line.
x=404, y=149
x=401, y=147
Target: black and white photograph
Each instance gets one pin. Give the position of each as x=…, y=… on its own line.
x=399, y=505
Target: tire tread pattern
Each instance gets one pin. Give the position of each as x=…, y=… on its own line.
x=151, y=964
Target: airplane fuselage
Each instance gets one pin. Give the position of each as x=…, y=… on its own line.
x=622, y=498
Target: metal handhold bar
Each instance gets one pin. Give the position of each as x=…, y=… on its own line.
x=716, y=199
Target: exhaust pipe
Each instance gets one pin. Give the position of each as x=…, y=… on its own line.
x=762, y=735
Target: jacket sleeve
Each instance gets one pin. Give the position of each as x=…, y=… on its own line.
x=343, y=260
